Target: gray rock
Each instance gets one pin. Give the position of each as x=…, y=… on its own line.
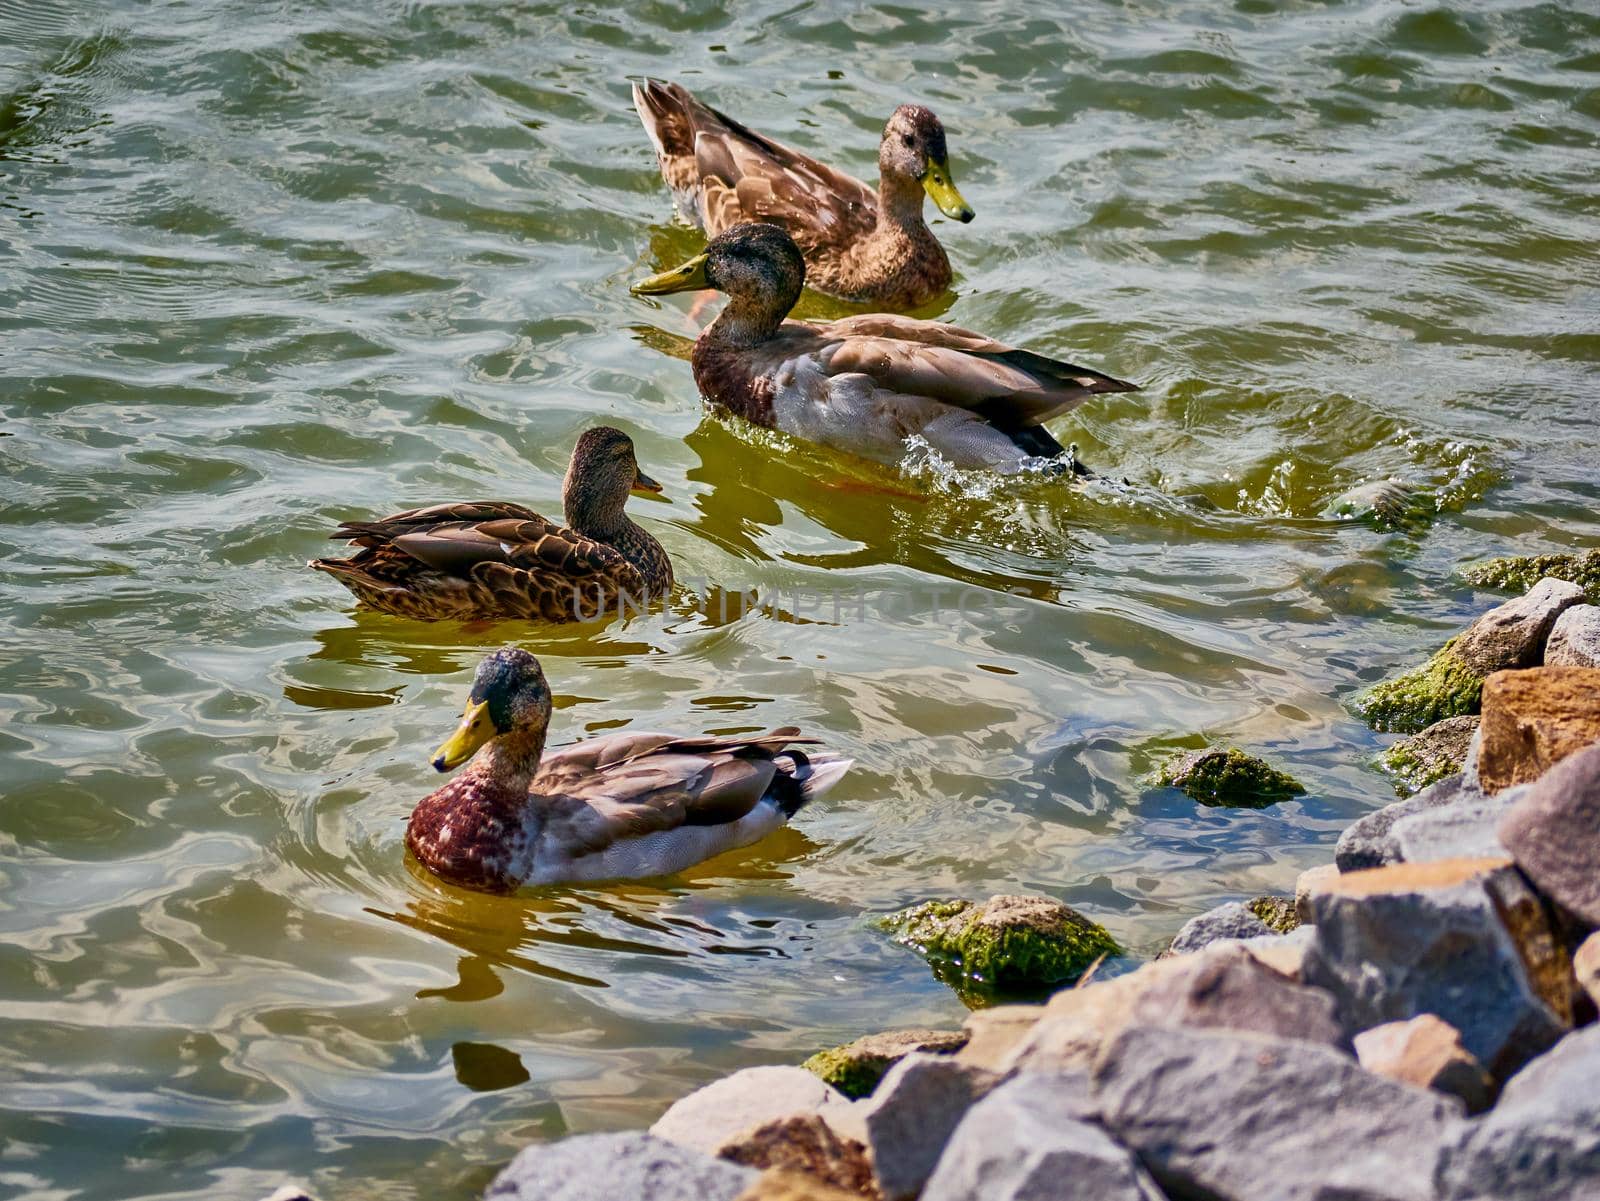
x=604, y=1167
x=1465, y=939
x=1513, y=634
x=1575, y=638
x=1553, y=832
x=1369, y=841
x=1031, y=1140
x=1218, y=1114
x=1466, y=829
x=1542, y=1141
x=910, y=1117
x=710, y=1116
x=1232, y=920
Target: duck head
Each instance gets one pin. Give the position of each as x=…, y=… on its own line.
x=602, y=474
x=913, y=148
x=756, y=264
x=509, y=704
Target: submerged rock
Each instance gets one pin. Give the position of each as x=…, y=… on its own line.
x=1465, y=939
x=602, y=1167
x=1534, y=719
x=1391, y=503
x=1553, y=832
x=1228, y=777
x=1426, y=1052
x=1575, y=638
x=1219, y=1114
x=1007, y=941
x=856, y=1067
x=1432, y=754
x=1519, y=573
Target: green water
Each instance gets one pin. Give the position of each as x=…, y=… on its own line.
x=264, y=267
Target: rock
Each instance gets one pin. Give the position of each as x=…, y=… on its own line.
x=993, y=1033
x=1542, y=1140
x=1228, y=777
x=778, y=1185
x=709, y=1117
x=1445, y=686
x=910, y=1116
x=855, y=1068
x=1426, y=1052
x=1553, y=832
x=1586, y=967
x=1387, y=503
x=1008, y=941
x=1231, y=920
x=1369, y=842
x=1221, y=987
x=1277, y=912
x=1575, y=638
x=1521, y=573
x=291, y=1192
x=1283, y=953
x=1031, y=1140
x=1218, y=1114
x=1467, y=829
x=1311, y=881
x=1465, y=939
x=1513, y=635
x=603, y=1167
x=805, y=1145
x=1429, y=756
x=1534, y=719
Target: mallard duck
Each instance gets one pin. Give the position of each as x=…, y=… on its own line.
x=865, y=384
x=871, y=248
x=618, y=807
x=495, y=559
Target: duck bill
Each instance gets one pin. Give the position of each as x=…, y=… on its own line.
x=691, y=276
x=940, y=186
x=476, y=728
x=643, y=483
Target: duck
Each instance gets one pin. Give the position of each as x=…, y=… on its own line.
x=863, y=246
x=622, y=806
x=865, y=384
x=495, y=559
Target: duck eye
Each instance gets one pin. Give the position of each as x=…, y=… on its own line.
x=906, y=138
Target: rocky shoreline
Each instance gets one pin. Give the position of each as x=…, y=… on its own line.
x=1417, y=1024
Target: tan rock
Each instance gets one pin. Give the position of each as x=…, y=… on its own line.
x=1312, y=880
x=1427, y=1052
x=992, y=1034
x=805, y=1146
x=1586, y=966
x=778, y=1185
x=1534, y=719
x=711, y=1116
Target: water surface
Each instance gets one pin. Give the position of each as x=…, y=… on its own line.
x=264, y=267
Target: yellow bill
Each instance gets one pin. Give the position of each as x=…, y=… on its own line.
x=476, y=728
x=940, y=186
x=687, y=278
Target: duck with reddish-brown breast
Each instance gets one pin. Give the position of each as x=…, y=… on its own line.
x=620, y=806
x=866, y=384
x=863, y=246
x=496, y=559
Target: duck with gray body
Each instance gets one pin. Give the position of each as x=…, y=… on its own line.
x=622, y=806
x=866, y=384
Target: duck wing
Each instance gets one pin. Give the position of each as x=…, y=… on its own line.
x=737, y=174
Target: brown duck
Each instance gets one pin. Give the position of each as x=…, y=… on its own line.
x=860, y=245
x=866, y=384
x=621, y=806
x=496, y=559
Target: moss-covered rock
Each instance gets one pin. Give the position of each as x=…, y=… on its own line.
x=1007, y=942
x=1385, y=504
x=1430, y=756
x=1277, y=912
x=1444, y=686
x=855, y=1068
x=1228, y=777
x=1518, y=573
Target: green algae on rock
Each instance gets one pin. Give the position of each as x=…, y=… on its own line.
x=1277, y=912
x=856, y=1067
x=1429, y=756
x=1005, y=942
x=1444, y=686
x=1518, y=573
x=1227, y=777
